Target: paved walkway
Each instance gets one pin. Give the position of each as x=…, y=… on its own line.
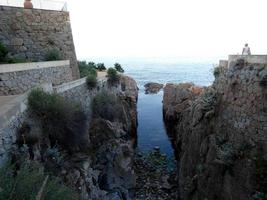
x=9, y=107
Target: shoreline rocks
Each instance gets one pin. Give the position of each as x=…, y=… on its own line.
x=218, y=134
x=153, y=88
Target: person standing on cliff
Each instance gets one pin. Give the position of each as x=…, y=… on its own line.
x=246, y=50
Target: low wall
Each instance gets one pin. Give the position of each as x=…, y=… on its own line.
x=255, y=59
x=19, y=78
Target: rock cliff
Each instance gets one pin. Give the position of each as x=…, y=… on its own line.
x=102, y=165
x=219, y=133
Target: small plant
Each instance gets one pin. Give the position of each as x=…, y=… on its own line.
x=227, y=154
x=103, y=105
x=209, y=99
x=100, y=67
x=53, y=55
x=200, y=168
x=91, y=81
x=118, y=67
x=112, y=75
x=3, y=53
x=259, y=196
x=62, y=121
x=27, y=181
x=87, y=68
x=216, y=71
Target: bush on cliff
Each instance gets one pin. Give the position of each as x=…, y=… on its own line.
x=26, y=182
x=216, y=71
x=100, y=67
x=91, y=81
x=87, y=68
x=62, y=121
x=3, y=53
x=53, y=55
x=118, y=67
x=112, y=75
x=107, y=106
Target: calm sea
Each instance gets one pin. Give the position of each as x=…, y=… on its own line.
x=151, y=130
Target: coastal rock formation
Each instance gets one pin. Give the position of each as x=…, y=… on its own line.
x=153, y=88
x=219, y=134
x=102, y=167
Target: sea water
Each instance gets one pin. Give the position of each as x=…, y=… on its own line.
x=151, y=130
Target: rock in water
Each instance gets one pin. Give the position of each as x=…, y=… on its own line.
x=153, y=88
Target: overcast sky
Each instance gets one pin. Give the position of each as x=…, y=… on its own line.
x=167, y=28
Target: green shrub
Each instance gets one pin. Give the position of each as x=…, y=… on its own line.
x=87, y=68
x=100, y=67
x=227, y=154
x=118, y=67
x=112, y=75
x=26, y=182
x=63, y=121
x=91, y=81
x=53, y=55
x=107, y=106
x=216, y=71
x=3, y=53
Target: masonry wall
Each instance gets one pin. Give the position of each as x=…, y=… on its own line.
x=19, y=78
x=31, y=33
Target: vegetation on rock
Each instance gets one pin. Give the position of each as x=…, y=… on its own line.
x=61, y=120
x=100, y=67
x=118, y=67
x=53, y=55
x=105, y=105
x=112, y=75
x=87, y=68
x=91, y=81
x=216, y=71
x=3, y=53
x=28, y=182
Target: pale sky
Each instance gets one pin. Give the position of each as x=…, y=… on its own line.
x=167, y=28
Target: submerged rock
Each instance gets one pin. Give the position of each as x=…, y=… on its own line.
x=154, y=179
x=153, y=88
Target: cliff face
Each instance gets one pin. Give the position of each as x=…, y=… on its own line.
x=220, y=134
x=102, y=166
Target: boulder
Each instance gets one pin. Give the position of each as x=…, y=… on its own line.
x=153, y=88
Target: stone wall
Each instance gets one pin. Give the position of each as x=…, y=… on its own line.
x=32, y=33
x=19, y=78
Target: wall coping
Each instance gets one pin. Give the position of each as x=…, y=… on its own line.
x=6, y=68
x=34, y=8
x=67, y=86
x=259, y=59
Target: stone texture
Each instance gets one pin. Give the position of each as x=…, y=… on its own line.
x=31, y=33
x=105, y=170
x=19, y=82
x=219, y=134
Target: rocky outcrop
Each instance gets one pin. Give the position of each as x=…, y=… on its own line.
x=153, y=88
x=220, y=134
x=102, y=168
